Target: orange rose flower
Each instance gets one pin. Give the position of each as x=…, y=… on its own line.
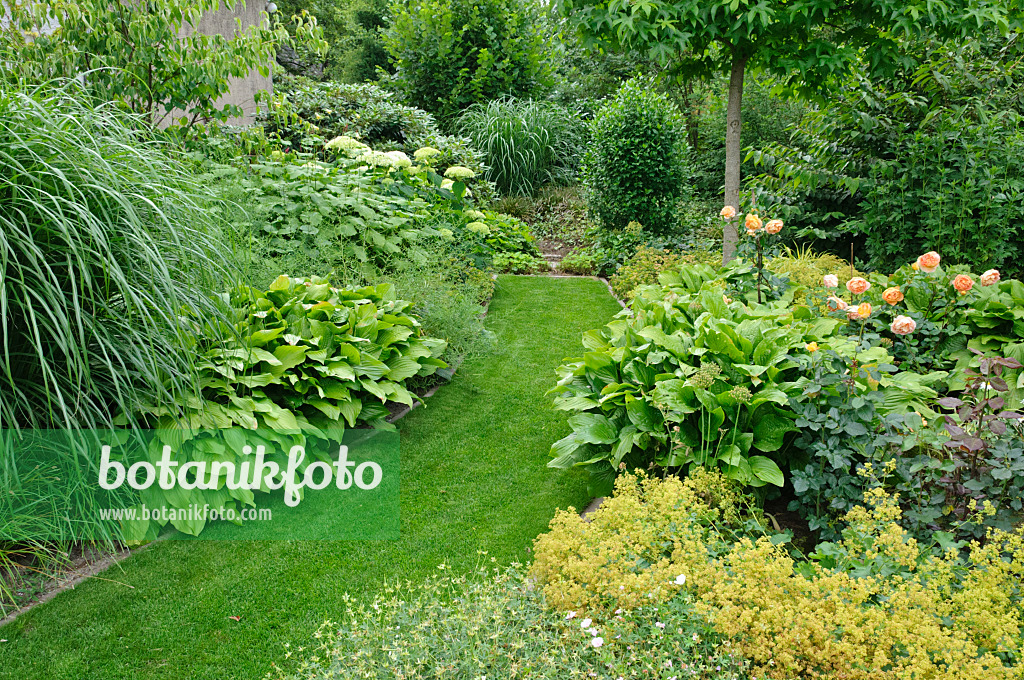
x=773, y=227
x=860, y=312
x=728, y=212
x=857, y=285
x=903, y=325
x=990, y=278
x=753, y=223
x=963, y=283
x=836, y=304
x=929, y=262
x=830, y=281
x=893, y=295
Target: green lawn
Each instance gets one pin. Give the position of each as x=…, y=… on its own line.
x=473, y=478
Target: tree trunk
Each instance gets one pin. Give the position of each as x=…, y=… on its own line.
x=733, y=126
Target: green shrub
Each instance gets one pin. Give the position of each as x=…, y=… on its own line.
x=518, y=263
x=449, y=55
x=930, y=158
x=955, y=186
x=526, y=143
x=635, y=168
x=648, y=263
x=304, y=115
x=579, y=262
x=364, y=111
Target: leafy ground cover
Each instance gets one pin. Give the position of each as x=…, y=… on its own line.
x=474, y=479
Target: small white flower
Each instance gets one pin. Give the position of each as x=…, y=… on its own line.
x=659, y=624
x=260, y=315
x=570, y=615
x=618, y=611
x=585, y=623
x=681, y=579
x=597, y=642
x=593, y=632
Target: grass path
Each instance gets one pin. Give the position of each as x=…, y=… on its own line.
x=473, y=478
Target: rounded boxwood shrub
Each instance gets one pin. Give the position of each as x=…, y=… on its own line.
x=635, y=168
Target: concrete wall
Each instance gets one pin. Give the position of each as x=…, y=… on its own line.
x=243, y=90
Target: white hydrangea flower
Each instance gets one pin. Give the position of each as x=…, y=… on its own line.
x=399, y=159
x=459, y=172
x=377, y=159
x=480, y=228
x=474, y=214
x=426, y=152
x=345, y=143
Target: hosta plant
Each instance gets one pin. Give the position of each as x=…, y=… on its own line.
x=300, y=360
x=685, y=380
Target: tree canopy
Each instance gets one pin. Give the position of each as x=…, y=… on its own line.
x=807, y=43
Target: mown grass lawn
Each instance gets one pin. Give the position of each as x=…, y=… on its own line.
x=473, y=479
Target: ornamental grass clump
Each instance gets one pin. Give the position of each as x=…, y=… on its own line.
x=526, y=143
x=103, y=241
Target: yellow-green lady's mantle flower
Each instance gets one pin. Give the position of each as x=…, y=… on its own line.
x=426, y=152
x=459, y=172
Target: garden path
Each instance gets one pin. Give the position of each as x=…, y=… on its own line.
x=474, y=480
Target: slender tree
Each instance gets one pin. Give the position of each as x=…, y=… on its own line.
x=807, y=43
